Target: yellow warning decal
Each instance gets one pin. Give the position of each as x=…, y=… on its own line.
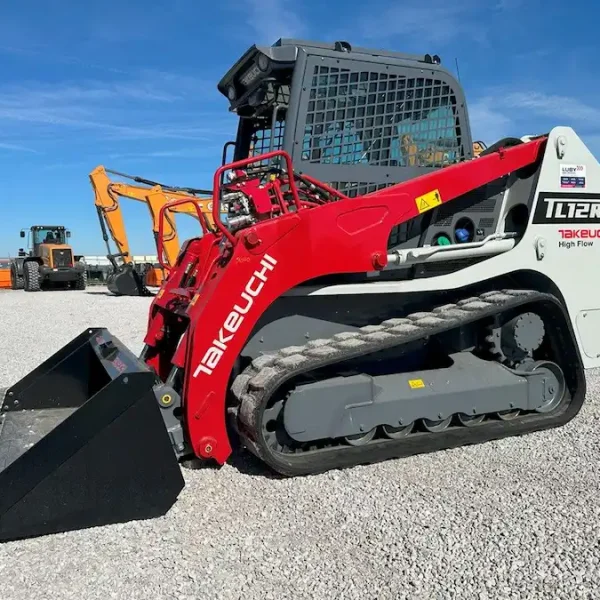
x=415, y=384
x=428, y=201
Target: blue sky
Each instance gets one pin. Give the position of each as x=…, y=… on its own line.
x=132, y=85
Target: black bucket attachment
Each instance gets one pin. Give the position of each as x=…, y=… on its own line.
x=127, y=281
x=83, y=443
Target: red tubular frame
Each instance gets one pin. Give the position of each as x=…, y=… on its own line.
x=324, y=187
x=239, y=165
x=161, y=220
x=347, y=236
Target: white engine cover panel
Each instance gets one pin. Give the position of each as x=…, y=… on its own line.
x=562, y=242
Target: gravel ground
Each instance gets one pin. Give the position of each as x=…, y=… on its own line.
x=517, y=518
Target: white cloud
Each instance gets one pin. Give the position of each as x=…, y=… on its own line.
x=431, y=23
x=46, y=54
x=155, y=105
x=487, y=122
x=16, y=148
x=83, y=91
x=500, y=113
x=201, y=152
x=507, y=5
x=273, y=19
x=554, y=106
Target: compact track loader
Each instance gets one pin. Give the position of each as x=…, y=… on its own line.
x=405, y=306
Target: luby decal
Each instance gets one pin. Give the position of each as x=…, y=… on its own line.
x=236, y=316
x=572, y=208
x=572, y=176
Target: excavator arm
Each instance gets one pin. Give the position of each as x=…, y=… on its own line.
x=110, y=215
x=107, y=194
x=155, y=198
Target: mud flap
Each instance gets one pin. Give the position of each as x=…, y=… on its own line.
x=83, y=443
x=127, y=281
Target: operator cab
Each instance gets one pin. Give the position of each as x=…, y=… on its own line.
x=355, y=118
x=46, y=234
x=49, y=234
x=361, y=120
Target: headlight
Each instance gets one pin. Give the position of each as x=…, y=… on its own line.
x=231, y=94
x=263, y=62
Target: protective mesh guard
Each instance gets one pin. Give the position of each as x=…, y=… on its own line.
x=380, y=119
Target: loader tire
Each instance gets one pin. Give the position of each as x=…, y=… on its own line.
x=16, y=280
x=31, y=272
x=81, y=281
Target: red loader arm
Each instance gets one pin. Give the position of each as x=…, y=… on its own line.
x=251, y=269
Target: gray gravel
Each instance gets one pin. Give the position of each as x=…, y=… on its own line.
x=518, y=518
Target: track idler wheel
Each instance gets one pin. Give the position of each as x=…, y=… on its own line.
x=555, y=386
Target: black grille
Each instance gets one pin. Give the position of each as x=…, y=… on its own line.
x=61, y=257
x=380, y=119
x=267, y=140
x=486, y=223
x=360, y=188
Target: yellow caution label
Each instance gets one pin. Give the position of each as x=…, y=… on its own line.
x=415, y=384
x=428, y=201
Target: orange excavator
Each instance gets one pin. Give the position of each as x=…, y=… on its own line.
x=127, y=278
x=431, y=154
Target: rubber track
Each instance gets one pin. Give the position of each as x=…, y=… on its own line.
x=258, y=382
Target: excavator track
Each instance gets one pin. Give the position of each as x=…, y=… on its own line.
x=263, y=380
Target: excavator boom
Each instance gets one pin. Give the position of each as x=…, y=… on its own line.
x=126, y=279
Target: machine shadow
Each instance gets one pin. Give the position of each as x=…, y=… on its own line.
x=243, y=462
